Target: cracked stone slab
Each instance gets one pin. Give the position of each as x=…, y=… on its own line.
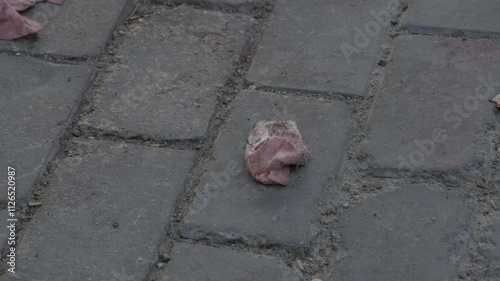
x=452, y=17
x=413, y=233
x=322, y=45
x=231, y=205
x=74, y=29
x=108, y=200
x=173, y=66
x=242, y=6
x=433, y=113
x=198, y=262
x=38, y=101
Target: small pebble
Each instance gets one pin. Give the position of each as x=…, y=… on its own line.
x=300, y=265
x=164, y=257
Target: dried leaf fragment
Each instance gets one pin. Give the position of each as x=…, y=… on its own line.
x=497, y=100
x=272, y=147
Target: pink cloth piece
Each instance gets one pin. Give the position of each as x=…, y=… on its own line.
x=12, y=24
x=272, y=148
x=21, y=5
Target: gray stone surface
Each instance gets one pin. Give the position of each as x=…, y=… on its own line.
x=414, y=233
x=105, y=213
x=231, y=205
x=496, y=179
x=198, y=262
x=243, y=6
x=4, y=231
x=174, y=65
x=452, y=17
x=37, y=101
x=74, y=29
x=318, y=45
x=495, y=252
x=433, y=113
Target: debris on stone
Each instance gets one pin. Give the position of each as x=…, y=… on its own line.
x=497, y=100
x=272, y=147
x=300, y=265
x=493, y=205
x=316, y=279
x=12, y=24
x=33, y=203
x=481, y=186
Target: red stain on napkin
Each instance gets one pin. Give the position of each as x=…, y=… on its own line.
x=12, y=24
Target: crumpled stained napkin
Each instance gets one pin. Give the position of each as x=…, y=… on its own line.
x=12, y=24
x=273, y=147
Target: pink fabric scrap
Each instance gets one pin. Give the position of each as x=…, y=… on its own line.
x=12, y=24
x=272, y=148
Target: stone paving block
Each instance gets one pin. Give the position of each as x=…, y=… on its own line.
x=495, y=252
x=230, y=205
x=452, y=17
x=106, y=211
x=198, y=262
x=433, y=113
x=38, y=100
x=74, y=29
x=413, y=233
x=175, y=64
x=322, y=45
x=4, y=231
x=496, y=180
x=244, y=6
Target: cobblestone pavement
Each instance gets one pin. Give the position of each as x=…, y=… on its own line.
x=126, y=123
